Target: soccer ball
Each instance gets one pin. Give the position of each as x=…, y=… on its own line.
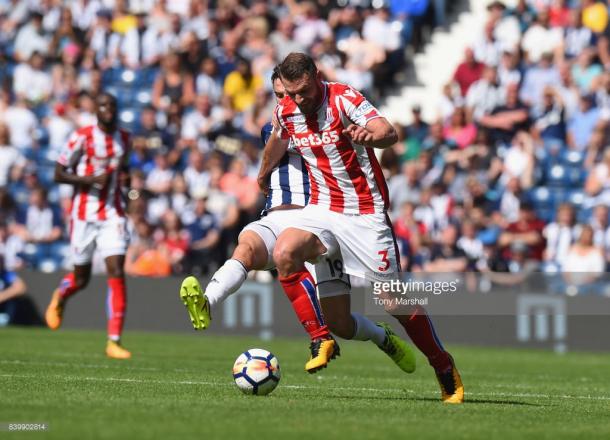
x=256, y=371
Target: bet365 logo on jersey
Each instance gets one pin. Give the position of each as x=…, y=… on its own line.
x=314, y=139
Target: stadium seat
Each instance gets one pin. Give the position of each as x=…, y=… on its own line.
x=541, y=197
x=573, y=158
x=557, y=176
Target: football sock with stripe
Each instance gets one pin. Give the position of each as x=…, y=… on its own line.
x=300, y=289
x=225, y=281
x=420, y=329
x=116, y=305
x=67, y=286
x=367, y=330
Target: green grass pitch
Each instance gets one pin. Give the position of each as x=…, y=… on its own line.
x=180, y=387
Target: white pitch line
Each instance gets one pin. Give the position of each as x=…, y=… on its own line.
x=306, y=387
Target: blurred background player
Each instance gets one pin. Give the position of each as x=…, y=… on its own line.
x=94, y=162
x=288, y=191
x=335, y=129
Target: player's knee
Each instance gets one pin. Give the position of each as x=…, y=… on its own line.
x=286, y=259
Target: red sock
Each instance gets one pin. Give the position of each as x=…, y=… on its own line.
x=421, y=331
x=116, y=304
x=301, y=291
x=67, y=286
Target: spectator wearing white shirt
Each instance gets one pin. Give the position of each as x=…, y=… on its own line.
x=197, y=124
x=510, y=202
x=601, y=230
x=541, y=38
x=584, y=262
x=103, y=41
x=31, y=38
x=487, y=49
x=519, y=161
x=559, y=236
x=507, y=30
x=485, y=94
x=140, y=45
x=283, y=38
x=11, y=160
x=208, y=82
x=84, y=12
x=59, y=127
x=22, y=124
x=30, y=81
x=41, y=225
x=159, y=180
x=195, y=175
x=310, y=27
x=576, y=37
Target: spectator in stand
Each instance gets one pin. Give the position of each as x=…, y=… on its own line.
x=446, y=255
x=59, y=126
x=541, y=38
x=509, y=71
x=283, y=38
x=208, y=82
x=487, y=49
x=159, y=180
x=196, y=175
x=237, y=183
x=104, y=43
x=204, y=237
x=172, y=84
x=559, y=236
x=504, y=121
x=585, y=71
x=550, y=125
x=485, y=94
x=199, y=123
x=404, y=187
x=241, y=85
x=519, y=161
x=459, y=130
x=583, y=123
x=584, y=262
x=598, y=182
x=140, y=47
x=22, y=124
x=600, y=222
x=537, y=78
x=12, y=289
x=173, y=240
x=526, y=232
x=31, y=38
x=32, y=83
x=143, y=258
x=12, y=161
x=468, y=71
x=40, y=224
x=576, y=37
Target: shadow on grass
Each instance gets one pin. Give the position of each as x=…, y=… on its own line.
x=469, y=401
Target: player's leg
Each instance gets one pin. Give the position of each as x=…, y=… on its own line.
x=112, y=241
x=293, y=248
x=116, y=305
x=419, y=327
x=336, y=305
x=251, y=253
x=369, y=250
x=72, y=283
x=82, y=246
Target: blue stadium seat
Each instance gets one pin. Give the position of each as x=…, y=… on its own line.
x=541, y=197
x=127, y=77
x=573, y=158
x=557, y=176
x=128, y=119
x=577, y=198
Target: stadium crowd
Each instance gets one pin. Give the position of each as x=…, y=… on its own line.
x=513, y=175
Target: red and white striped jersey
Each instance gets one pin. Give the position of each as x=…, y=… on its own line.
x=344, y=176
x=91, y=152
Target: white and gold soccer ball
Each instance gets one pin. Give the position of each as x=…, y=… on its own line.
x=256, y=371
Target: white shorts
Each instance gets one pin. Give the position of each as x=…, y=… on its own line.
x=366, y=241
x=328, y=268
x=110, y=237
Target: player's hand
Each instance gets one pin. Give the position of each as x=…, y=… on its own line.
x=100, y=181
x=357, y=134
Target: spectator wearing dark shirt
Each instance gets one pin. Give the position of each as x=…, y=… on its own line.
x=527, y=230
x=506, y=120
x=446, y=256
x=205, y=237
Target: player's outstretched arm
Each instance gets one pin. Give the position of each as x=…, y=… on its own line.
x=274, y=150
x=378, y=133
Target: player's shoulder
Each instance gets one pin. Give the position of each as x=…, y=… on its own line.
x=85, y=130
x=285, y=106
x=344, y=92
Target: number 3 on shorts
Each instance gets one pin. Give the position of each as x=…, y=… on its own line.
x=384, y=260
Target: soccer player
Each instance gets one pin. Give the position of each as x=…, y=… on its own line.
x=288, y=193
x=334, y=128
x=94, y=161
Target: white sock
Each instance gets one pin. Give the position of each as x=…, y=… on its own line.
x=225, y=281
x=366, y=330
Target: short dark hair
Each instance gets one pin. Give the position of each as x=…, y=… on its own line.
x=297, y=64
x=275, y=74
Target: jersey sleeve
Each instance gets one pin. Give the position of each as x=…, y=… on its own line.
x=72, y=150
x=356, y=107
